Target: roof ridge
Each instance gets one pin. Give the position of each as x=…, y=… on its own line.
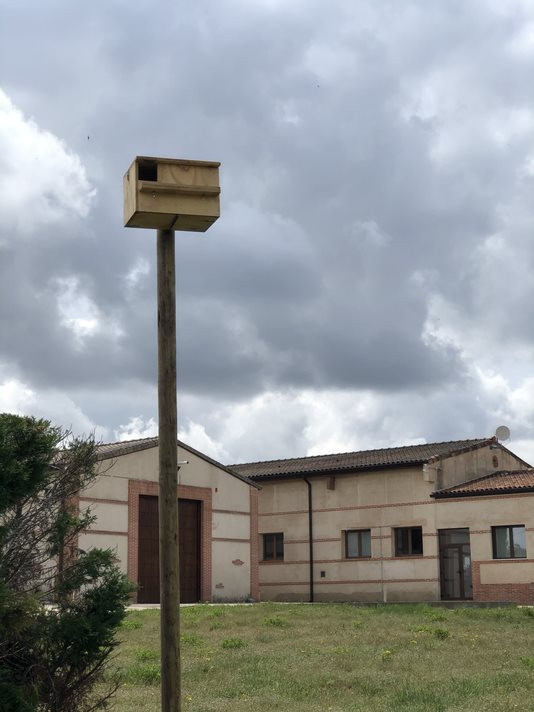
x=353, y=452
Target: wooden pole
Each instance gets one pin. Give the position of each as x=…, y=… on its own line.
x=169, y=571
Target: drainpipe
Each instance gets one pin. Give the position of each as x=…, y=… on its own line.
x=310, y=535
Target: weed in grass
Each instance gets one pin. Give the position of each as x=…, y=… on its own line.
x=441, y=633
x=386, y=656
x=341, y=650
x=145, y=655
x=229, y=643
x=357, y=624
x=216, y=625
x=528, y=612
x=276, y=621
x=128, y=624
x=191, y=639
x=143, y=674
x=422, y=629
x=437, y=616
x=528, y=661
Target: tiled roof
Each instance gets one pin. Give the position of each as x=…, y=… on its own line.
x=505, y=481
x=125, y=447
x=362, y=460
x=107, y=451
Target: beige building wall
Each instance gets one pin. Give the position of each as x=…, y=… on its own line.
x=494, y=579
x=379, y=500
x=229, y=512
x=476, y=462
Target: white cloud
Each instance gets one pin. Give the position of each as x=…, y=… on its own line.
x=196, y=436
x=137, y=428
x=19, y=398
x=15, y=397
x=80, y=314
x=41, y=181
x=138, y=272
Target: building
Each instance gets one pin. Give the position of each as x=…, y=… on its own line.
x=452, y=520
x=218, y=512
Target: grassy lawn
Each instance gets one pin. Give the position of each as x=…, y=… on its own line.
x=336, y=657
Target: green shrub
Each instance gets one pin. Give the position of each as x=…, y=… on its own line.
x=67, y=647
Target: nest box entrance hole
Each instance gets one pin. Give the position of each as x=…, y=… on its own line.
x=147, y=170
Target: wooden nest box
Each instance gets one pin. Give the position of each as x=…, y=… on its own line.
x=171, y=194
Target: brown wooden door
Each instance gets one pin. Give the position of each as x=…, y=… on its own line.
x=148, y=551
x=189, y=519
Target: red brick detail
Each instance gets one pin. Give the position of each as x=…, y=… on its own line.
x=204, y=495
x=254, y=546
x=229, y=538
x=522, y=593
x=352, y=509
x=103, y=531
x=346, y=560
x=322, y=582
x=105, y=501
x=479, y=497
x=230, y=511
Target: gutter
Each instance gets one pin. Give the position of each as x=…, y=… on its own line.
x=310, y=535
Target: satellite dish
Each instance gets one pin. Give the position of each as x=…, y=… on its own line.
x=502, y=433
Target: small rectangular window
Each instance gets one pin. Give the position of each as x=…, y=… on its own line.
x=509, y=542
x=408, y=541
x=273, y=547
x=358, y=544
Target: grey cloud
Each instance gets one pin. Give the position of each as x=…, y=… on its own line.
x=308, y=113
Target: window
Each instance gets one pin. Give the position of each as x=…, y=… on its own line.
x=358, y=543
x=409, y=541
x=509, y=542
x=273, y=547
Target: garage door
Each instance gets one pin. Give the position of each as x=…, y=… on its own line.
x=148, y=552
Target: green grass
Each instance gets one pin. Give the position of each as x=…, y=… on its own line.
x=335, y=657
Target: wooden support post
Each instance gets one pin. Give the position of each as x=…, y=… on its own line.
x=169, y=571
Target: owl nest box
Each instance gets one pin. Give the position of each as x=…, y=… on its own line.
x=171, y=194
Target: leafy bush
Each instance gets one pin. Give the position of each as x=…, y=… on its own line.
x=66, y=646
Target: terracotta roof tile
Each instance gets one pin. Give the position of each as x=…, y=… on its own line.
x=496, y=483
x=361, y=460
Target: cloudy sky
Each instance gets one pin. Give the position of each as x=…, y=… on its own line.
x=371, y=279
